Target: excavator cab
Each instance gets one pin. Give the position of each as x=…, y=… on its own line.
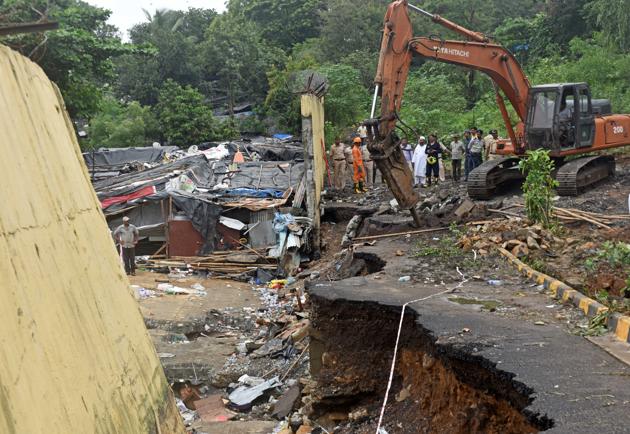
x=560, y=117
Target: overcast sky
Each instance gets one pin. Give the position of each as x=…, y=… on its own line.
x=126, y=13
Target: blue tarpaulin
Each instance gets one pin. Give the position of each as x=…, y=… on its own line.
x=282, y=136
x=260, y=194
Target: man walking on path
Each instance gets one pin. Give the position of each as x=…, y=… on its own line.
x=359, y=169
x=458, y=150
x=434, y=150
x=368, y=164
x=127, y=236
x=420, y=162
x=338, y=159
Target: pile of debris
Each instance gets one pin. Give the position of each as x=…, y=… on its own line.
x=265, y=376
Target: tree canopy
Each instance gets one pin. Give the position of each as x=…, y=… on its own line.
x=180, y=70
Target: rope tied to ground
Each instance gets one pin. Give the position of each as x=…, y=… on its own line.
x=380, y=430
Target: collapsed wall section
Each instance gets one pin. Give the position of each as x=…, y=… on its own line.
x=76, y=357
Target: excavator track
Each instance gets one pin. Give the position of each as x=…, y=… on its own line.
x=485, y=179
x=577, y=175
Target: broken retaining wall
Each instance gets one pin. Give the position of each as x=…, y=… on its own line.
x=75, y=357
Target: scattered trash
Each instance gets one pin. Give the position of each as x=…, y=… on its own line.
x=188, y=415
x=143, y=293
x=405, y=279
x=166, y=355
x=495, y=282
x=242, y=397
x=167, y=288
x=540, y=323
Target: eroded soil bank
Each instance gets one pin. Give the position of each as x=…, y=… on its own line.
x=437, y=387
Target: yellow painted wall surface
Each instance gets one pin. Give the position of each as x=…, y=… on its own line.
x=313, y=107
x=75, y=357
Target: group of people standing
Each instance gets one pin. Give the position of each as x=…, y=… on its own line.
x=426, y=159
x=355, y=160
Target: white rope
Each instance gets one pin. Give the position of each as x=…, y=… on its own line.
x=393, y=368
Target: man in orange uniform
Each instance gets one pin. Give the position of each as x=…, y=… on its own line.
x=359, y=168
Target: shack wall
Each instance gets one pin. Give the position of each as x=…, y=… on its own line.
x=76, y=357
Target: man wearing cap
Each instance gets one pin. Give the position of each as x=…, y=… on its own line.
x=127, y=236
x=420, y=162
x=357, y=165
x=491, y=145
x=338, y=159
x=458, y=150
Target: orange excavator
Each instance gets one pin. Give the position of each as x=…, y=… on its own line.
x=561, y=118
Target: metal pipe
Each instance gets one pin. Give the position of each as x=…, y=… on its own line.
x=374, y=102
x=420, y=11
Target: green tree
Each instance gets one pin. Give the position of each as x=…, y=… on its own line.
x=77, y=56
x=166, y=47
x=236, y=59
x=350, y=27
x=122, y=126
x=283, y=23
x=184, y=117
x=613, y=18
x=433, y=104
x=346, y=102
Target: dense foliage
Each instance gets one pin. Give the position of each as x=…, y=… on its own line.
x=181, y=67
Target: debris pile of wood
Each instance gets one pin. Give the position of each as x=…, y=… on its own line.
x=218, y=263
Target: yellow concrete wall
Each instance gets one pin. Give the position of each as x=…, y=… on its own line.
x=75, y=357
x=313, y=107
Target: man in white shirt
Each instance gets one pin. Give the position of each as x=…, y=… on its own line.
x=362, y=131
x=127, y=236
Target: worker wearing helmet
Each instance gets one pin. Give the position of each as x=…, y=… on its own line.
x=359, y=168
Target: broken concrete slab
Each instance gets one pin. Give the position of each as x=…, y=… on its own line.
x=283, y=407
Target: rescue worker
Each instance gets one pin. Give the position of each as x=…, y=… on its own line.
x=359, y=169
x=368, y=164
x=434, y=150
x=338, y=159
x=490, y=142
